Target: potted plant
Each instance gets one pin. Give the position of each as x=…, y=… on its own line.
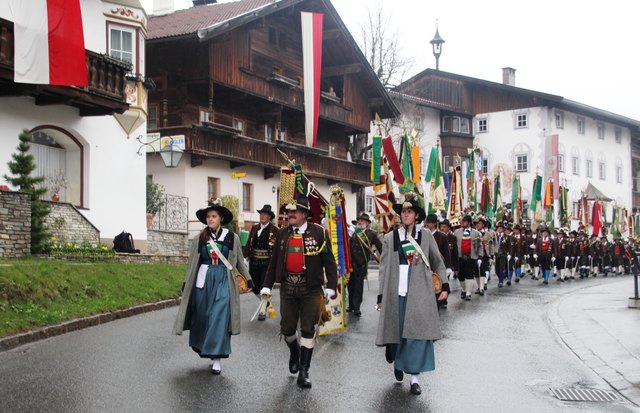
x=155, y=201
x=56, y=183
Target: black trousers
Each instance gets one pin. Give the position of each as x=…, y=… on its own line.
x=355, y=287
x=468, y=269
x=299, y=303
x=258, y=269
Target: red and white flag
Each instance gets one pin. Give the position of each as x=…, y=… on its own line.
x=48, y=41
x=311, y=66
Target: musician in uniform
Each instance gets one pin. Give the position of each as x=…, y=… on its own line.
x=302, y=257
x=259, y=248
x=362, y=241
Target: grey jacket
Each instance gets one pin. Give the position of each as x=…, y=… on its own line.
x=476, y=243
x=183, y=320
x=421, y=321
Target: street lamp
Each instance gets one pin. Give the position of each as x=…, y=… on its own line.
x=171, y=154
x=436, y=44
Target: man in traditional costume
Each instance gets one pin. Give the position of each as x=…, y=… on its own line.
x=573, y=254
x=561, y=250
x=518, y=248
x=431, y=223
x=487, y=252
x=259, y=248
x=469, y=242
x=445, y=228
x=503, y=251
x=544, y=252
x=362, y=242
x=302, y=257
x=409, y=320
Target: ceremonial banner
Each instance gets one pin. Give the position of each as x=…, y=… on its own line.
x=516, y=200
x=48, y=42
x=597, y=218
x=455, y=199
x=376, y=158
x=552, y=172
x=548, y=203
x=312, y=65
x=536, y=203
x=392, y=159
x=437, y=193
x=485, y=197
x=287, y=190
x=498, y=208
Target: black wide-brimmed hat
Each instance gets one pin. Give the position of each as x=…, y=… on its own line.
x=215, y=205
x=267, y=210
x=363, y=216
x=410, y=203
x=301, y=203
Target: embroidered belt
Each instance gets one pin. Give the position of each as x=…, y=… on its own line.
x=261, y=254
x=295, y=278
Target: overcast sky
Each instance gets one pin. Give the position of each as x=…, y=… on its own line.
x=584, y=51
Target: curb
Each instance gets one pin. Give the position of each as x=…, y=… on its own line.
x=11, y=342
x=574, y=342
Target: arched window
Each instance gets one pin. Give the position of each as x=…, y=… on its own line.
x=59, y=157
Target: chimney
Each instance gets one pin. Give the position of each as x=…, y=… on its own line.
x=162, y=7
x=508, y=76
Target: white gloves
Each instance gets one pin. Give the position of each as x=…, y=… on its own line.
x=553, y=259
x=535, y=256
x=508, y=257
x=516, y=259
x=449, y=273
x=265, y=291
x=479, y=262
x=328, y=293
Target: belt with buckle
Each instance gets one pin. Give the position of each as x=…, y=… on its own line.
x=261, y=254
x=295, y=278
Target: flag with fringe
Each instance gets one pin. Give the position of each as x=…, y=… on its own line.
x=434, y=176
x=516, y=200
x=455, y=198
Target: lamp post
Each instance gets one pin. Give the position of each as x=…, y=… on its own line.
x=436, y=44
x=170, y=153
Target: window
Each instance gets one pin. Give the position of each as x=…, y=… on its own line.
x=522, y=164
x=600, y=130
x=601, y=170
x=445, y=123
x=368, y=204
x=247, y=197
x=238, y=124
x=580, y=125
x=619, y=174
x=560, y=163
x=485, y=166
x=268, y=133
x=464, y=125
x=575, y=210
x=575, y=165
x=521, y=120
x=618, y=135
x=121, y=44
x=332, y=151
x=368, y=154
x=483, y=125
x=455, y=124
x=152, y=118
x=205, y=115
x=417, y=122
x=589, y=168
x=559, y=119
x=213, y=187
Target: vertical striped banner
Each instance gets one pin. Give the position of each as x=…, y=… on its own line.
x=312, y=65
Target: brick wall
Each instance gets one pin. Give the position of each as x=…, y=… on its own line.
x=15, y=224
x=67, y=224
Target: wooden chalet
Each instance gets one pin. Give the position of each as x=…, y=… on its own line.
x=229, y=78
x=105, y=94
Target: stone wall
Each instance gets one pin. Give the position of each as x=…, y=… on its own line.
x=167, y=243
x=67, y=224
x=15, y=224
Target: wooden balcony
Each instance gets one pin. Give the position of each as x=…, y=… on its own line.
x=105, y=94
x=205, y=142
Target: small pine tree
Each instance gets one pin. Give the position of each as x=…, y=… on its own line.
x=21, y=167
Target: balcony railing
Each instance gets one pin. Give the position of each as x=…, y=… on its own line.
x=104, y=95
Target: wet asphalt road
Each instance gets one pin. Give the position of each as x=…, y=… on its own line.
x=500, y=354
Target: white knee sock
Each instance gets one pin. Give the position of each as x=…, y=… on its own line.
x=414, y=379
x=216, y=364
x=291, y=339
x=482, y=281
x=469, y=286
x=306, y=342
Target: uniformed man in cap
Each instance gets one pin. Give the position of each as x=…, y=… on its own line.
x=469, y=242
x=302, y=257
x=362, y=242
x=431, y=223
x=259, y=248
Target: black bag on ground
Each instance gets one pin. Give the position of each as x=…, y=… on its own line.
x=123, y=242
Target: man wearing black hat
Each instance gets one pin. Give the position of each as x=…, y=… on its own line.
x=445, y=228
x=362, y=241
x=431, y=223
x=301, y=259
x=259, y=248
x=469, y=243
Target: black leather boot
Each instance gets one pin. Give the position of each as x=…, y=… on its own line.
x=294, y=357
x=305, y=362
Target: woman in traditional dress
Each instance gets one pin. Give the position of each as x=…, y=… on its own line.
x=210, y=306
x=409, y=321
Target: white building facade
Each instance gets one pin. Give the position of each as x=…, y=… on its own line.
x=82, y=136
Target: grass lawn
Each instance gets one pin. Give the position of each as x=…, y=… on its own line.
x=39, y=292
